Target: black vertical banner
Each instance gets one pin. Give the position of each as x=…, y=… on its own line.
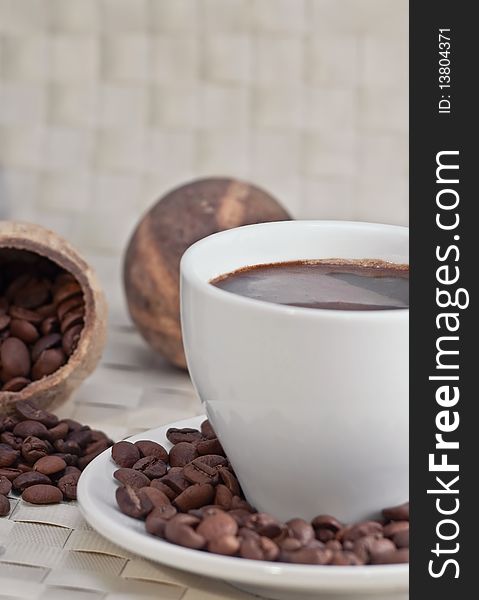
x=444, y=430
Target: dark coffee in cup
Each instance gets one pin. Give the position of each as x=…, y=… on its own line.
x=334, y=284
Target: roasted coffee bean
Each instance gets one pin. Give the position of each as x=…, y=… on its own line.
x=182, y=453
x=207, y=430
x=180, y=531
x=49, y=325
x=152, y=467
x=325, y=535
x=368, y=545
x=265, y=525
x=23, y=330
x=212, y=446
x=4, y=506
x=9, y=473
x=96, y=448
x=28, y=410
x=133, y=502
x=47, y=310
x=239, y=515
x=71, y=337
x=157, y=497
x=250, y=549
x=67, y=447
x=66, y=290
x=150, y=448
x=397, y=513
x=166, y=489
x=47, y=363
x=8, y=423
x=392, y=528
x=393, y=557
x=227, y=545
x=42, y=494
x=72, y=424
x=49, y=465
x=155, y=524
x=131, y=478
x=194, y=496
x=21, y=482
x=354, y=532
x=238, y=502
x=289, y=544
x=157, y=518
x=15, y=358
x=27, y=428
x=34, y=448
x=82, y=437
x=7, y=455
x=176, y=480
x=68, y=485
x=230, y=481
x=5, y=486
x=401, y=538
x=269, y=548
x=175, y=436
x=15, y=442
x=45, y=343
x=217, y=525
x=23, y=314
x=301, y=530
x=16, y=384
x=198, y=471
x=326, y=522
x=67, y=305
x=223, y=496
x=261, y=548
x=58, y=432
x=214, y=461
x=125, y=454
x=73, y=318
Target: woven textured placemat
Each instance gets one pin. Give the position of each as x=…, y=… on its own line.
x=50, y=552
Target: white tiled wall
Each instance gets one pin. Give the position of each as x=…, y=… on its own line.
x=106, y=104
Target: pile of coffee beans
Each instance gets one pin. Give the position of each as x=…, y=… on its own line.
x=190, y=496
x=42, y=457
x=42, y=312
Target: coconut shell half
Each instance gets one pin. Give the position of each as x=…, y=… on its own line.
x=54, y=389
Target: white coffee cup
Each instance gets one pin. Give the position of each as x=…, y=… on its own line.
x=311, y=405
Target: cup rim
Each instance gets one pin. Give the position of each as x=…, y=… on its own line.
x=188, y=273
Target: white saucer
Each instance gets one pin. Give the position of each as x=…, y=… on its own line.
x=280, y=581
